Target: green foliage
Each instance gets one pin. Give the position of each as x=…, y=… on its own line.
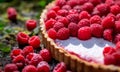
x=5, y=48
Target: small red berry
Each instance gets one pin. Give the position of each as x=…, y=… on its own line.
x=95, y=19
x=12, y=13
x=63, y=33
x=117, y=38
x=117, y=26
x=95, y=2
x=72, y=3
x=15, y=52
x=107, y=34
x=34, y=41
x=51, y=14
x=58, y=25
x=81, y=2
x=78, y=8
x=115, y=9
x=50, y=23
x=62, y=12
x=109, y=59
x=22, y=38
x=52, y=33
x=83, y=22
x=73, y=18
x=31, y=24
x=109, y=2
x=117, y=46
x=118, y=17
x=60, y=2
x=88, y=7
x=64, y=20
x=10, y=68
x=84, y=14
x=43, y=67
x=60, y=67
x=73, y=11
x=56, y=8
x=29, y=68
x=84, y=33
x=66, y=7
x=27, y=50
x=46, y=55
x=108, y=50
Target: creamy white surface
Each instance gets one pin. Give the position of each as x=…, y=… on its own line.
x=91, y=50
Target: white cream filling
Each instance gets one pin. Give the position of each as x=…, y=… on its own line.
x=90, y=50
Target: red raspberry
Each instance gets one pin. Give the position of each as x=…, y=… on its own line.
x=78, y=8
x=72, y=3
x=60, y=67
x=117, y=58
x=95, y=19
x=97, y=30
x=56, y=8
x=108, y=50
x=117, y=26
x=27, y=50
x=22, y=38
x=58, y=25
x=10, y=68
x=115, y=9
x=81, y=2
x=73, y=11
x=95, y=2
x=108, y=22
x=49, y=24
x=33, y=59
x=12, y=13
x=73, y=29
x=95, y=12
x=67, y=7
x=29, y=68
x=107, y=34
x=111, y=15
x=83, y=22
x=43, y=66
x=84, y=14
x=51, y=14
x=118, y=46
x=73, y=18
x=117, y=38
x=103, y=9
x=19, y=61
x=62, y=12
x=34, y=41
x=52, y=33
x=88, y=7
x=60, y=2
x=84, y=33
x=15, y=52
x=46, y=55
x=109, y=2
x=31, y=24
x=64, y=20
x=63, y=33
x=58, y=17
x=109, y=59
x=118, y=16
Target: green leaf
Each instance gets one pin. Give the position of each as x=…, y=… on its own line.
x=42, y=3
x=5, y=48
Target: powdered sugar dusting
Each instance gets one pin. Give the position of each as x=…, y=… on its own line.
x=90, y=50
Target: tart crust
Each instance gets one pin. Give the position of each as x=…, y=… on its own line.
x=73, y=62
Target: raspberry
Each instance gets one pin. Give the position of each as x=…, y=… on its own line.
x=107, y=34
x=108, y=22
x=10, y=68
x=33, y=59
x=109, y=2
x=84, y=33
x=60, y=67
x=64, y=20
x=58, y=17
x=63, y=33
x=83, y=22
x=56, y=8
x=49, y=24
x=109, y=59
x=46, y=55
x=34, y=41
x=111, y=15
x=95, y=19
x=115, y=9
x=15, y=53
x=31, y=24
x=117, y=38
x=108, y=50
x=67, y=7
x=88, y=7
x=27, y=50
x=62, y=12
x=95, y=2
x=73, y=11
x=29, y=68
x=97, y=30
x=118, y=16
x=51, y=14
x=117, y=26
x=73, y=29
x=73, y=18
x=117, y=58
x=60, y=2
x=43, y=67
x=22, y=38
x=78, y=8
x=84, y=14
x=72, y=3
x=95, y=12
x=117, y=46
x=58, y=25
x=81, y=2
x=19, y=61
x=52, y=33
x=103, y=9
x=12, y=13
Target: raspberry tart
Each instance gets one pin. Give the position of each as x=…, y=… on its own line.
x=85, y=34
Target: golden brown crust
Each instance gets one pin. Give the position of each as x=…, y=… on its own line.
x=73, y=62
